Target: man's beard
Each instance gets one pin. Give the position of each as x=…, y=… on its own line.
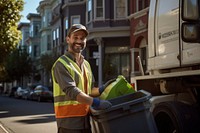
x=78, y=47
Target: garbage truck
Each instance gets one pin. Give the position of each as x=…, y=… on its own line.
x=173, y=65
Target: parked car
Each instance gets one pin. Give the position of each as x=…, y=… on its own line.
x=41, y=93
x=12, y=91
x=26, y=94
x=19, y=92
x=1, y=89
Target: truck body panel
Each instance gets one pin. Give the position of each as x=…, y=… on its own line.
x=168, y=55
x=173, y=66
x=166, y=48
x=164, y=38
x=190, y=54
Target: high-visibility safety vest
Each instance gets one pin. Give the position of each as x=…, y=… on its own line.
x=63, y=106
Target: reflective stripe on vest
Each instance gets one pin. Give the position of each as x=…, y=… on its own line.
x=63, y=106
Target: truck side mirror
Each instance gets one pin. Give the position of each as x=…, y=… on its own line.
x=190, y=32
x=190, y=10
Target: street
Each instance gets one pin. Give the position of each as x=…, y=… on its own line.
x=24, y=116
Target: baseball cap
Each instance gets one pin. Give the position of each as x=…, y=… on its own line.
x=77, y=27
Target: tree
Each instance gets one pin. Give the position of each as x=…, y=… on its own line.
x=47, y=60
x=18, y=64
x=9, y=18
x=3, y=74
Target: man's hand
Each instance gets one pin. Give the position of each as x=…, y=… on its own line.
x=100, y=104
x=102, y=88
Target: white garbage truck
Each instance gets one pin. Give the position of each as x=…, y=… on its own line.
x=173, y=65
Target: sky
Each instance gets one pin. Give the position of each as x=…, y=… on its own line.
x=29, y=7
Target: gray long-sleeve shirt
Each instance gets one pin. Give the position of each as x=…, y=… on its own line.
x=65, y=81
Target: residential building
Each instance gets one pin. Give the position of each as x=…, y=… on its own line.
x=33, y=44
x=56, y=16
x=56, y=24
x=24, y=28
x=108, y=45
x=46, y=46
x=109, y=38
x=139, y=35
x=117, y=35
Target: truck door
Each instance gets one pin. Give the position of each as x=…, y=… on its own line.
x=167, y=45
x=190, y=51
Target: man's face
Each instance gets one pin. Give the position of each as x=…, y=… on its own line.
x=77, y=42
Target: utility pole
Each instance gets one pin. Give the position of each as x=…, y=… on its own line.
x=62, y=28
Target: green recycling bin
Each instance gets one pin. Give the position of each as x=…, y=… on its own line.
x=117, y=88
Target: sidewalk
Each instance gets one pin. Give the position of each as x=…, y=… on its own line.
x=3, y=129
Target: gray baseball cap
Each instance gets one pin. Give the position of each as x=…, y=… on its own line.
x=77, y=27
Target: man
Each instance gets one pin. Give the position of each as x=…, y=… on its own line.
x=73, y=86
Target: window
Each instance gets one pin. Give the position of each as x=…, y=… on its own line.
x=141, y=4
x=99, y=12
x=89, y=10
x=66, y=24
x=120, y=9
x=75, y=20
x=57, y=36
x=43, y=21
x=75, y=0
x=48, y=42
x=36, y=51
x=54, y=38
x=48, y=18
x=29, y=49
x=43, y=41
x=31, y=30
x=57, y=33
x=26, y=35
x=54, y=35
x=36, y=30
x=116, y=62
x=144, y=58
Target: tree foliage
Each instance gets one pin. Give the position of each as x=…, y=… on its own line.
x=47, y=60
x=3, y=74
x=9, y=18
x=18, y=64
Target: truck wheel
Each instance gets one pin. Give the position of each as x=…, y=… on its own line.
x=176, y=117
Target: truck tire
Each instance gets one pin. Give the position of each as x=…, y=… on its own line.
x=176, y=117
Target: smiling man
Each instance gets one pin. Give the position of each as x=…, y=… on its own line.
x=73, y=86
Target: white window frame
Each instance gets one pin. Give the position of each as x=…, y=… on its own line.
x=31, y=30
x=48, y=18
x=126, y=10
x=29, y=49
x=43, y=21
x=95, y=10
x=66, y=24
x=54, y=35
x=89, y=9
x=75, y=17
x=57, y=33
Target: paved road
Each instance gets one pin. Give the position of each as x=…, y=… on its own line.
x=21, y=116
